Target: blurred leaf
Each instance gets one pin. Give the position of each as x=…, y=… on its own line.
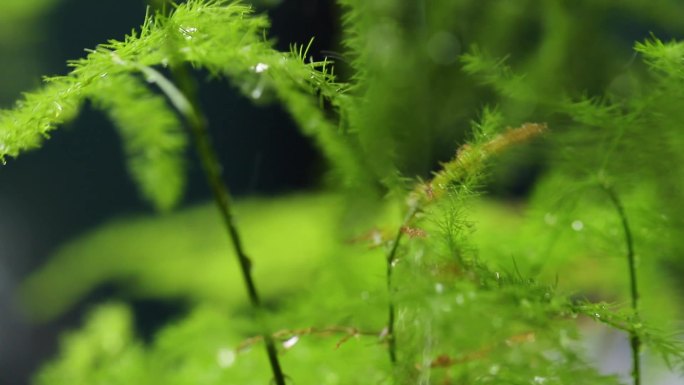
x=187, y=255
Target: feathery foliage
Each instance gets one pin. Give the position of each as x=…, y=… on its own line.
x=434, y=284
x=226, y=40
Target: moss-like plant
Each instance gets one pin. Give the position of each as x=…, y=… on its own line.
x=448, y=292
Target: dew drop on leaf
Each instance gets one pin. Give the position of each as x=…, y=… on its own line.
x=187, y=32
x=260, y=67
x=58, y=109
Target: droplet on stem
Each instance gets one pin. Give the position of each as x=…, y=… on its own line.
x=290, y=342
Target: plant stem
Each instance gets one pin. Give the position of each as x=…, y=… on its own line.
x=391, y=259
x=391, y=340
x=634, y=340
x=184, y=99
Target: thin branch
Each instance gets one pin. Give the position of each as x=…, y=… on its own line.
x=469, y=160
x=634, y=340
x=446, y=361
x=184, y=99
x=391, y=260
x=348, y=333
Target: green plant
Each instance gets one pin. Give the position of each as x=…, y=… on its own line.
x=441, y=302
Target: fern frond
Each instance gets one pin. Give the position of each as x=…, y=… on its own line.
x=669, y=346
x=665, y=58
x=38, y=113
x=154, y=142
x=470, y=158
x=355, y=29
x=224, y=38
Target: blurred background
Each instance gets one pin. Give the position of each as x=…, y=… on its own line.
x=78, y=179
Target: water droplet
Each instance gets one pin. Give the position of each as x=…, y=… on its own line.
x=225, y=357
x=550, y=219
x=597, y=315
x=58, y=109
x=439, y=288
x=187, y=32
x=257, y=92
x=260, y=67
x=290, y=342
x=577, y=225
x=539, y=380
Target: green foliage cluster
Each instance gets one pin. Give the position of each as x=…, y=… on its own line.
x=403, y=274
